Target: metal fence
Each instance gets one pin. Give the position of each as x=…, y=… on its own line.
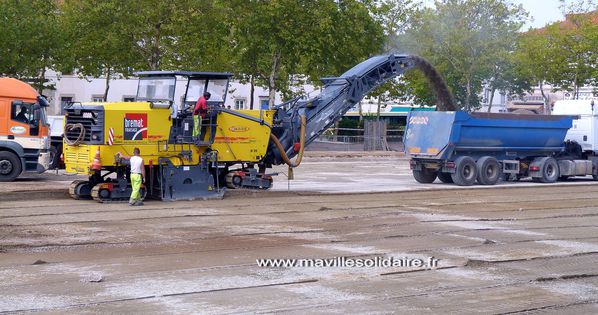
x=351, y=139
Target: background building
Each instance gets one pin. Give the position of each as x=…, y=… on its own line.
x=72, y=88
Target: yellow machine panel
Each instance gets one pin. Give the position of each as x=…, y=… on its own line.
x=77, y=159
x=241, y=140
x=128, y=125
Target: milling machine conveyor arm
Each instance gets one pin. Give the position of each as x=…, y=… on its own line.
x=340, y=94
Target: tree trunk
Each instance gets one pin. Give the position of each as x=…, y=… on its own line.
x=272, y=79
x=546, y=98
x=40, y=81
x=360, y=108
x=575, y=87
x=251, y=91
x=271, y=95
x=378, y=109
x=374, y=136
x=155, y=53
x=492, y=91
x=108, y=72
x=468, y=96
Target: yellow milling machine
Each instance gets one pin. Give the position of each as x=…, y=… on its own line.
x=178, y=165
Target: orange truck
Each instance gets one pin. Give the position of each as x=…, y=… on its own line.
x=24, y=138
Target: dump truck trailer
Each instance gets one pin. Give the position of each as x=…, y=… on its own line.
x=465, y=148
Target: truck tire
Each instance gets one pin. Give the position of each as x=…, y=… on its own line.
x=54, y=158
x=465, y=171
x=549, y=170
x=445, y=177
x=10, y=166
x=489, y=171
x=425, y=176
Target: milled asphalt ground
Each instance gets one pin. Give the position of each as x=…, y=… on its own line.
x=513, y=248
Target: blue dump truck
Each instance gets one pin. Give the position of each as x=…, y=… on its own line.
x=465, y=148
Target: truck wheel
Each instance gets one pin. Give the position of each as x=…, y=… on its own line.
x=425, y=176
x=465, y=171
x=489, y=171
x=10, y=166
x=54, y=158
x=549, y=170
x=445, y=177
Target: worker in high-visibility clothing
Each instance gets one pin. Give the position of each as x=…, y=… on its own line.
x=199, y=113
x=137, y=176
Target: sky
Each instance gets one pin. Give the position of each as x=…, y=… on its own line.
x=542, y=11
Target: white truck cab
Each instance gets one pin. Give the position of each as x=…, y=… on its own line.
x=585, y=129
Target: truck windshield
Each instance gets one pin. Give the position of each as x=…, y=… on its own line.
x=43, y=116
x=156, y=89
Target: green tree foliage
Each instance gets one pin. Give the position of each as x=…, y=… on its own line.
x=275, y=40
x=98, y=44
x=534, y=61
x=507, y=76
x=578, y=55
x=202, y=35
x=393, y=15
x=30, y=38
x=562, y=54
x=466, y=40
x=106, y=38
x=345, y=34
x=189, y=34
x=276, y=43
x=578, y=6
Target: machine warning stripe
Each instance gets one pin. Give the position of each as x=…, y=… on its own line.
x=111, y=136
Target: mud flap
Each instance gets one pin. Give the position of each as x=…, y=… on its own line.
x=43, y=162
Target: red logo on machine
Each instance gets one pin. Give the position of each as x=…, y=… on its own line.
x=135, y=126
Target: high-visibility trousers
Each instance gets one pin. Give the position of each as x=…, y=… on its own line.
x=136, y=184
x=196, y=125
